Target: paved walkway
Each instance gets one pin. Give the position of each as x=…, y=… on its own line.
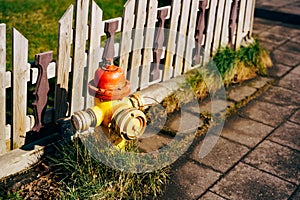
x=258, y=153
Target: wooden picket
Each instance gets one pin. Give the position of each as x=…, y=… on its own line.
x=226, y=16
x=190, y=36
x=240, y=34
x=181, y=42
x=149, y=38
x=96, y=30
x=218, y=25
x=79, y=56
x=21, y=75
x=63, y=63
x=2, y=87
x=75, y=65
x=137, y=44
x=171, y=46
x=126, y=41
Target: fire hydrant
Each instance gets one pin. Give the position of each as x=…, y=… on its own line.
x=113, y=107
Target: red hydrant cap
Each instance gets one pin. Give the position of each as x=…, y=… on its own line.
x=110, y=83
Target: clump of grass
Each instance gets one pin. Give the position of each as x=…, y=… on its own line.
x=84, y=177
x=242, y=64
x=234, y=66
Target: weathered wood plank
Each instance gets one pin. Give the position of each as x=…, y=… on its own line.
x=218, y=25
x=63, y=63
x=138, y=42
x=225, y=32
x=247, y=20
x=2, y=88
x=126, y=41
x=252, y=18
x=209, y=30
x=79, y=61
x=20, y=77
x=181, y=42
x=171, y=46
x=149, y=37
x=190, y=38
x=96, y=29
x=241, y=16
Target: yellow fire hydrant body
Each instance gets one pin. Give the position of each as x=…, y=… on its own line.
x=112, y=108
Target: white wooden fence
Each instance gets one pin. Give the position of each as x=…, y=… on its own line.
x=183, y=17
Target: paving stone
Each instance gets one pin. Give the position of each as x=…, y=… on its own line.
x=296, y=117
x=276, y=159
x=211, y=196
x=151, y=140
x=245, y=131
x=288, y=134
x=291, y=81
x=287, y=58
x=263, y=24
x=270, y=4
x=223, y=155
x=259, y=82
x=296, y=38
x=278, y=70
x=281, y=96
x=268, y=45
x=239, y=93
x=290, y=46
x=272, y=38
x=246, y=182
x=190, y=181
x=296, y=195
x=296, y=70
x=285, y=31
x=215, y=106
x=291, y=9
x=184, y=122
x=267, y=113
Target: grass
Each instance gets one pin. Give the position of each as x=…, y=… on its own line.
x=38, y=20
x=234, y=66
x=84, y=177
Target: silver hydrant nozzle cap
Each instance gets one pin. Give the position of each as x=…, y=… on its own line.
x=83, y=120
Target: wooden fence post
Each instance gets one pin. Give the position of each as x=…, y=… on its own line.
x=21, y=75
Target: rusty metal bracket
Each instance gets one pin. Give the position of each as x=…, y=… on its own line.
x=42, y=61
